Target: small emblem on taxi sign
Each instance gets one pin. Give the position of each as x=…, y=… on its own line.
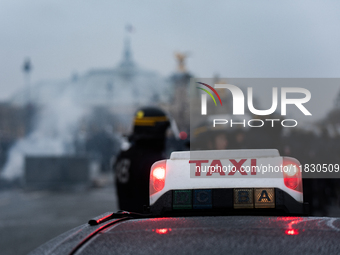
x=264, y=198
x=243, y=198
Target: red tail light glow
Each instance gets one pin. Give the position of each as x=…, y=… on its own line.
x=162, y=231
x=292, y=232
x=292, y=174
x=157, y=176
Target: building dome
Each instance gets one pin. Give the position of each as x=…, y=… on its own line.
x=126, y=86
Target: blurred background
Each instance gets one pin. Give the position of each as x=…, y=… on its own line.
x=72, y=74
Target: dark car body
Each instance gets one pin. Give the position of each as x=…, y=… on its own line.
x=201, y=235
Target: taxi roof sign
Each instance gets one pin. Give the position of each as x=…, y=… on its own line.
x=185, y=188
x=224, y=154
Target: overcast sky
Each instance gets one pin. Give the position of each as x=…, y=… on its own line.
x=232, y=38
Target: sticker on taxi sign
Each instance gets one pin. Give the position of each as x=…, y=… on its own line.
x=182, y=199
x=264, y=198
x=243, y=198
x=254, y=198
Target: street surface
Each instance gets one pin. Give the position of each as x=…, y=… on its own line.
x=29, y=219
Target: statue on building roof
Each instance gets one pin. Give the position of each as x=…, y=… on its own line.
x=181, y=57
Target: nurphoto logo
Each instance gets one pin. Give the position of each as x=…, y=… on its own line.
x=239, y=105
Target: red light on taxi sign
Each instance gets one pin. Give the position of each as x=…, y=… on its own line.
x=292, y=174
x=159, y=173
x=291, y=183
x=157, y=176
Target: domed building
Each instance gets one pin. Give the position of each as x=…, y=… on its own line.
x=122, y=89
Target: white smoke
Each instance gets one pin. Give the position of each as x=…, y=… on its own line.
x=52, y=134
x=63, y=104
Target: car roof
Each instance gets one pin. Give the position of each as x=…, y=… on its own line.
x=211, y=235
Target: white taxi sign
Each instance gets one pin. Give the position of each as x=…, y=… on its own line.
x=227, y=169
